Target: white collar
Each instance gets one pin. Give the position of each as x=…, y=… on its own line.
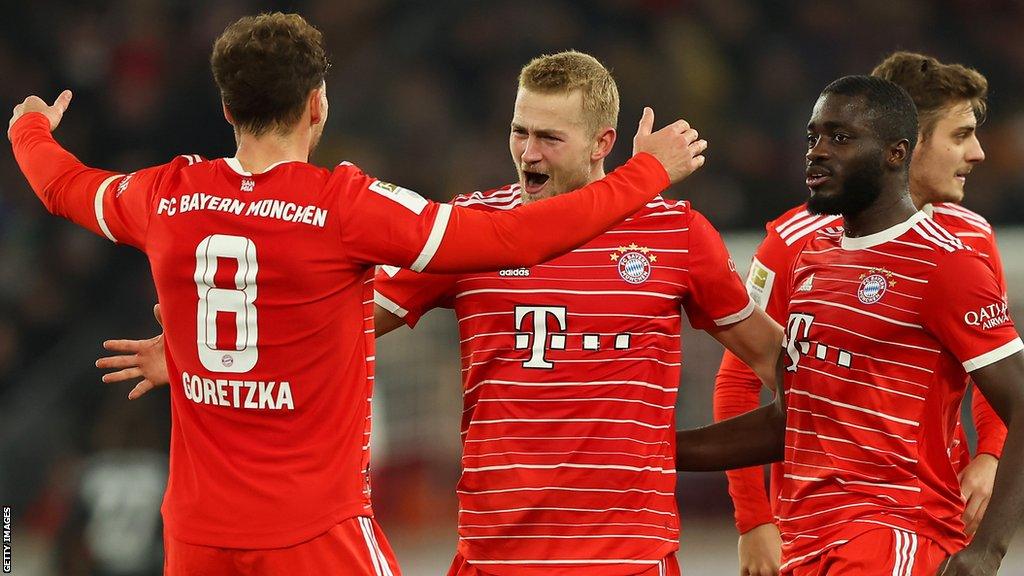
x=235, y=165
x=872, y=240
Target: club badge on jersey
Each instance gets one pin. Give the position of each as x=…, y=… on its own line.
x=873, y=285
x=634, y=262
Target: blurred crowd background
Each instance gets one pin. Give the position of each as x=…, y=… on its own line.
x=422, y=93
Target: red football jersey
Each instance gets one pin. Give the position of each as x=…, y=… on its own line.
x=570, y=375
x=266, y=284
x=881, y=332
x=737, y=388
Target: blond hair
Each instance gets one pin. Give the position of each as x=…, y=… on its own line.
x=566, y=72
x=934, y=86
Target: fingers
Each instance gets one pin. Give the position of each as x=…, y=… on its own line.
x=646, y=122
x=141, y=389
x=118, y=362
x=156, y=314
x=122, y=375
x=62, y=101
x=124, y=346
x=973, y=513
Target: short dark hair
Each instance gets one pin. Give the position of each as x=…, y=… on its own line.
x=934, y=86
x=895, y=116
x=265, y=67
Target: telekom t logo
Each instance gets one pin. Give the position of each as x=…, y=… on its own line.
x=797, y=329
x=538, y=333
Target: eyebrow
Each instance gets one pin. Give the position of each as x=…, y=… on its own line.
x=830, y=125
x=540, y=132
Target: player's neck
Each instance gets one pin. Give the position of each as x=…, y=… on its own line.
x=919, y=200
x=256, y=154
x=887, y=211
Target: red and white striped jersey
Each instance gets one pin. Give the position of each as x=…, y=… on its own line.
x=881, y=332
x=570, y=374
x=737, y=388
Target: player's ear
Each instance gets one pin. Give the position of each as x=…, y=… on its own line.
x=317, y=105
x=603, y=144
x=227, y=113
x=899, y=154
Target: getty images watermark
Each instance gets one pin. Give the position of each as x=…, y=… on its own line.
x=7, y=539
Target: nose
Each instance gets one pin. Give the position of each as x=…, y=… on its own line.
x=974, y=153
x=817, y=151
x=531, y=152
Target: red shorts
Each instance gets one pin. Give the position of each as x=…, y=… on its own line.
x=881, y=552
x=668, y=566
x=355, y=547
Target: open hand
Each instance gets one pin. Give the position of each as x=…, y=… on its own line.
x=138, y=358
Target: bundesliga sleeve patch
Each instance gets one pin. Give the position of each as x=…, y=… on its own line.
x=760, y=280
x=403, y=196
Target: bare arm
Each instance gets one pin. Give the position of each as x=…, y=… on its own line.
x=1002, y=383
x=756, y=341
x=384, y=321
x=754, y=438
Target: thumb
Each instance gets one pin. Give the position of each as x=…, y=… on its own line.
x=62, y=101
x=156, y=314
x=646, y=122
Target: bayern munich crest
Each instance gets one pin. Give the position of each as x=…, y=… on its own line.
x=873, y=285
x=634, y=263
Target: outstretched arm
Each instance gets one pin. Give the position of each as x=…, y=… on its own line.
x=751, y=439
x=474, y=240
x=65, y=186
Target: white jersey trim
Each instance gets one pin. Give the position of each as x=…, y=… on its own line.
x=891, y=233
x=739, y=316
x=444, y=212
x=98, y=205
x=993, y=356
x=389, y=304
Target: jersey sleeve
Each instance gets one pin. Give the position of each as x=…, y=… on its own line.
x=738, y=389
x=386, y=224
x=716, y=295
x=107, y=203
x=968, y=313
x=409, y=295
x=124, y=203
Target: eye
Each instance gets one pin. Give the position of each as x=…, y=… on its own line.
x=812, y=139
x=552, y=139
x=840, y=138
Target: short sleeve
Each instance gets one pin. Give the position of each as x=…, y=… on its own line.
x=409, y=295
x=716, y=295
x=124, y=203
x=383, y=223
x=967, y=311
x=770, y=277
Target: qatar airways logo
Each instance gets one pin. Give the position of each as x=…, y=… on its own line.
x=988, y=316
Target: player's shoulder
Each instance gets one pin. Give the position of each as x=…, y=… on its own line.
x=963, y=222
x=798, y=225
x=504, y=198
x=665, y=210
x=935, y=242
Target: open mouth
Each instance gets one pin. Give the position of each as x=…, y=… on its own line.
x=961, y=177
x=816, y=176
x=534, y=181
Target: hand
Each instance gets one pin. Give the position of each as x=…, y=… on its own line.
x=36, y=104
x=971, y=562
x=760, y=551
x=976, y=482
x=143, y=358
x=676, y=146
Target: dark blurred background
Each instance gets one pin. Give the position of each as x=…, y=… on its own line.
x=422, y=93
